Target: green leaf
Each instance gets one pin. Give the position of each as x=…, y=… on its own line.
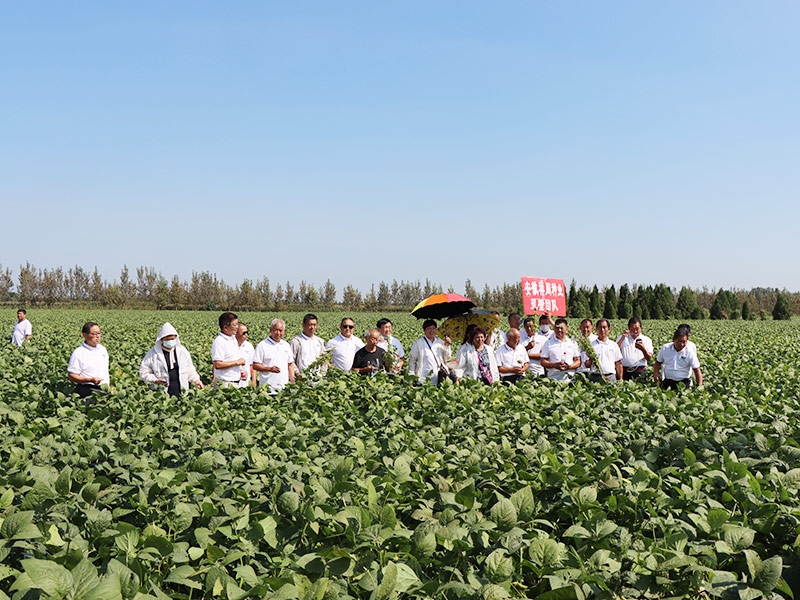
x=547, y=553
x=19, y=526
x=717, y=517
x=738, y=537
x=523, y=501
x=48, y=576
x=182, y=575
x=386, y=588
x=769, y=574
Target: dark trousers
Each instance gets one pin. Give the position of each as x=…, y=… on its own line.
x=672, y=384
x=84, y=390
x=632, y=374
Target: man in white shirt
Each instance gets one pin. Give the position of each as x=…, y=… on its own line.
x=428, y=354
x=587, y=330
x=225, y=354
x=386, y=328
x=534, y=341
x=514, y=322
x=560, y=354
x=22, y=328
x=344, y=346
x=512, y=360
x=608, y=353
x=307, y=346
x=88, y=364
x=273, y=360
x=246, y=349
x=637, y=350
x=679, y=361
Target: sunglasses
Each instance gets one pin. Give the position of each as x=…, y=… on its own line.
x=245, y=332
x=348, y=326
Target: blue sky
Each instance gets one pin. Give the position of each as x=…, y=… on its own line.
x=621, y=142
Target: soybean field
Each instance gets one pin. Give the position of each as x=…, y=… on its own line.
x=377, y=488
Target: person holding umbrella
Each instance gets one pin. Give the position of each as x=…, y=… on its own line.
x=429, y=354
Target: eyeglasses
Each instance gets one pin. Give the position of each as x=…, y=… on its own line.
x=348, y=326
x=95, y=333
x=245, y=332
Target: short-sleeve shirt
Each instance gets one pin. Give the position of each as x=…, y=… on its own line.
x=225, y=348
x=88, y=361
x=394, y=342
x=631, y=356
x=677, y=365
x=274, y=354
x=344, y=350
x=608, y=353
x=246, y=350
x=21, y=330
x=510, y=358
x=555, y=350
x=366, y=359
x=306, y=350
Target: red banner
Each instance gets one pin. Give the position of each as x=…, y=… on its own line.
x=540, y=295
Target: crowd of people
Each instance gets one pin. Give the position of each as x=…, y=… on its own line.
x=494, y=356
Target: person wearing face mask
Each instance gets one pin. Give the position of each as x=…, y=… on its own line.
x=533, y=341
x=168, y=364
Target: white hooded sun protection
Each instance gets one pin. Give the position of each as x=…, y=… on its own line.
x=154, y=365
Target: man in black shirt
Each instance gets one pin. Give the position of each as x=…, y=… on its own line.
x=369, y=359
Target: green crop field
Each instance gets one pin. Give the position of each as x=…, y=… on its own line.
x=378, y=488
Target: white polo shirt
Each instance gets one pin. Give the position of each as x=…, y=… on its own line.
x=509, y=357
x=226, y=349
x=21, y=329
x=631, y=357
x=306, y=350
x=394, y=342
x=539, y=339
x=270, y=353
x=90, y=362
x=344, y=350
x=677, y=365
x=246, y=350
x=555, y=350
x=608, y=353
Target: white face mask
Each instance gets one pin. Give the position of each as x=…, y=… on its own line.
x=544, y=328
x=169, y=343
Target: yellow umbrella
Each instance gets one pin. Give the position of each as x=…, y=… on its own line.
x=455, y=327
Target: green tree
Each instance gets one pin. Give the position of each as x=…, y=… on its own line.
x=745, y=311
x=687, y=303
x=781, y=312
x=595, y=305
x=625, y=303
x=610, y=306
x=725, y=306
x=663, y=301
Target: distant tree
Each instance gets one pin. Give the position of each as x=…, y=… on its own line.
x=384, y=296
x=664, y=300
x=470, y=292
x=351, y=298
x=6, y=283
x=126, y=287
x=725, y=306
x=162, y=293
x=328, y=294
x=610, y=305
x=687, y=303
x=177, y=293
x=624, y=303
x=595, y=305
x=745, y=311
x=578, y=307
x=781, y=312
x=371, y=299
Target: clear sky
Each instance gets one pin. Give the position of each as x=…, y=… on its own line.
x=617, y=142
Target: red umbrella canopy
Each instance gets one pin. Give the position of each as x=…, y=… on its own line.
x=440, y=306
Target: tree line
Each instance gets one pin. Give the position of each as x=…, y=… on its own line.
x=149, y=289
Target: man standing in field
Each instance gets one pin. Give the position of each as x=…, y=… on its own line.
x=307, y=346
x=533, y=342
x=608, y=353
x=273, y=360
x=428, y=354
x=345, y=345
x=22, y=328
x=560, y=354
x=225, y=354
x=88, y=364
x=637, y=350
x=246, y=349
x=369, y=359
x=386, y=328
x=679, y=361
x=587, y=331
x=512, y=360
